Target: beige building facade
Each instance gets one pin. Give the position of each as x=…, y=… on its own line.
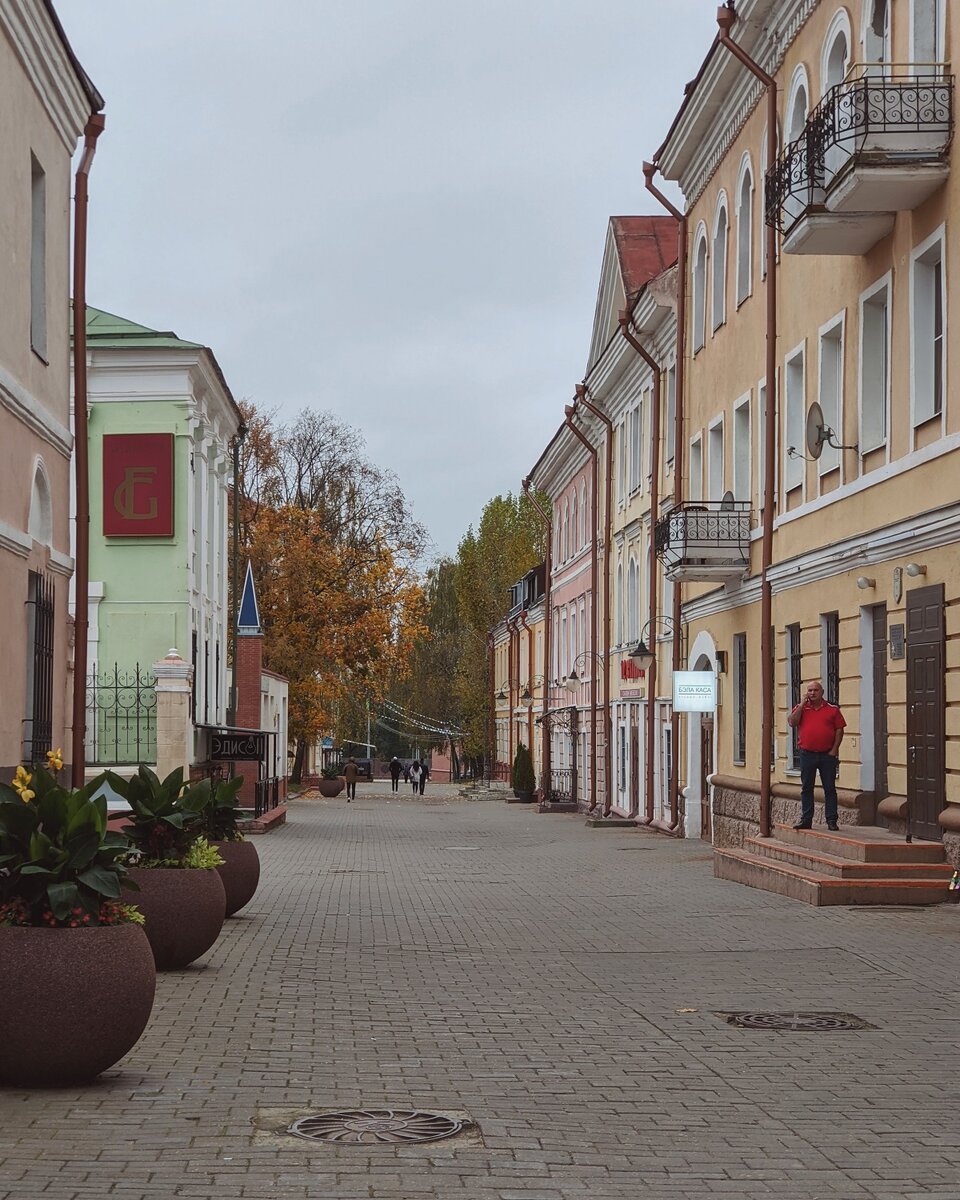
x=45, y=102
x=865, y=582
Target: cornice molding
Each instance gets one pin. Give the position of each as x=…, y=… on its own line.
x=61, y=564
x=15, y=540
x=28, y=410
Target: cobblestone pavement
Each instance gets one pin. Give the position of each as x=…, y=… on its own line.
x=559, y=986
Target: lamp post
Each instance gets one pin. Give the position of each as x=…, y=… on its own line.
x=572, y=682
x=528, y=699
x=644, y=655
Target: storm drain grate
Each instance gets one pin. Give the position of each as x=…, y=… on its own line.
x=375, y=1126
x=799, y=1022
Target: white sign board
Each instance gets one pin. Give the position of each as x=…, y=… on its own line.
x=694, y=691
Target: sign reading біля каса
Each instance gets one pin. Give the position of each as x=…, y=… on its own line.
x=228, y=745
x=694, y=691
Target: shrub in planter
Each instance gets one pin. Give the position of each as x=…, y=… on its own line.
x=523, y=780
x=69, y=947
x=331, y=782
x=180, y=892
x=219, y=824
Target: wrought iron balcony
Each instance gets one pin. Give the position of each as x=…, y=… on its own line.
x=704, y=540
x=876, y=144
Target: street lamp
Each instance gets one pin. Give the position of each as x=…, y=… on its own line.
x=641, y=654
x=572, y=681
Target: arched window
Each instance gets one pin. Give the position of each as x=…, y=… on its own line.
x=720, y=263
x=583, y=514
x=700, y=290
x=798, y=106
x=876, y=31
x=619, y=605
x=833, y=71
x=40, y=525
x=566, y=531
x=745, y=231
x=633, y=601
x=574, y=525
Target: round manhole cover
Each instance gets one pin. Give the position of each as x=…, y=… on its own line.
x=812, y=1022
x=373, y=1126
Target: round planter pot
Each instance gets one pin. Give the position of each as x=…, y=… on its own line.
x=72, y=1001
x=239, y=874
x=331, y=787
x=184, y=910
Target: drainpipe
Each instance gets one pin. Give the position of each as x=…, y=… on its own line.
x=649, y=170
x=592, y=450
x=725, y=19
x=546, y=784
x=581, y=396
x=530, y=675
x=81, y=451
x=510, y=633
x=492, y=718
x=653, y=575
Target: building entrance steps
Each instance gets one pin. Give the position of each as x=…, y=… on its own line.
x=859, y=865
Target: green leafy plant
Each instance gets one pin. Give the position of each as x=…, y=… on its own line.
x=524, y=780
x=201, y=855
x=59, y=864
x=331, y=772
x=165, y=815
x=220, y=816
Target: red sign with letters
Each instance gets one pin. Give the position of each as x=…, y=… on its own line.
x=138, y=485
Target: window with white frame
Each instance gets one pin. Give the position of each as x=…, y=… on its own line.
x=715, y=474
x=574, y=524
x=696, y=469
x=583, y=626
x=583, y=515
x=876, y=32
x=929, y=341
x=719, y=290
x=622, y=461
x=742, y=448
x=566, y=532
x=633, y=601
x=831, y=392
x=671, y=433
x=636, y=422
x=619, y=605
x=795, y=404
x=745, y=234
x=700, y=292
x=38, y=258
x=927, y=34
x=874, y=366
x=574, y=652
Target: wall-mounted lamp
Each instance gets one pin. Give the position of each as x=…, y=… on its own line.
x=865, y=583
x=526, y=698
x=501, y=695
x=915, y=569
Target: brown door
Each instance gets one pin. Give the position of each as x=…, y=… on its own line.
x=706, y=768
x=925, y=705
x=634, y=769
x=880, y=788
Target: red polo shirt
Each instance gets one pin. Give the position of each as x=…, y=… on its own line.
x=818, y=727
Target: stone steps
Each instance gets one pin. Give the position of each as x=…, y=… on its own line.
x=859, y=865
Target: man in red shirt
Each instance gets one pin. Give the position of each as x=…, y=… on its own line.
x=820, y=725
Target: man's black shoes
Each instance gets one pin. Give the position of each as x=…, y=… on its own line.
x=803, y=825
x=833, y=827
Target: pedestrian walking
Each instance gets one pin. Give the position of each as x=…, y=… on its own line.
x=424, y=776
x=415, y=772
x=350, y=773
x=395, y=769
x=820, y=726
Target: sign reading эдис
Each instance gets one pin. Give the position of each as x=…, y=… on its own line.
x=138, y=485
x=694, y=691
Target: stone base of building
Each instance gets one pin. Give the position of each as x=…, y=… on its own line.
x=736, y=808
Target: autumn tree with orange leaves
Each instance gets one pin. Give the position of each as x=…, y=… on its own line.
x=334, y=548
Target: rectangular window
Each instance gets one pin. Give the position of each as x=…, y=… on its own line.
x=635, y=431
x=929, y=344
x=742, y=446
x=794, y=682
x=715, y=464
x=667, y=789
x=696, y=469
x=795, y=401
x=740, y=692
x=874, y=367
x=830, y=651
x=671, y=438
x=38, y=259
x=622, y=758
x=38, y=715
x=831, y=394
x=622, y=465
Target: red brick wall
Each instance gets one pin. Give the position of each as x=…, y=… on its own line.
x=249, y=666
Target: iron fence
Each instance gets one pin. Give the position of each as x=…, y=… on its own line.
x=563, y=784
x=266, y=795
x=121, y=716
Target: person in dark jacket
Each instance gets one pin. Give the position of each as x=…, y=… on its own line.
x=395, y=769
x=350, y=773
x=424, y=776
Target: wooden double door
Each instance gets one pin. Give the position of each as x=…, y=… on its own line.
x=926, y=700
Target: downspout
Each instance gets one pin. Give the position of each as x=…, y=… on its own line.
x=581, y=395
x=725, y=19
x=546, y=783
x=568, y=413
x=653, y=575
x=530, y=675
x=81, y=450
x=649, y=170
x=511, y=630
x=492, y=717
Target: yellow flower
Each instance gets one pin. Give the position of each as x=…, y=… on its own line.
x=20, y=784
x=55, y=760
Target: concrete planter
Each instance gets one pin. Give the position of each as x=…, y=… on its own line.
x=331, y=787
x=72, y=1001
x=184, y=910
x=239, y=874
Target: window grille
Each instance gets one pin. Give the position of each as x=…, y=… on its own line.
x=740, y=684
x=831, y=653
x=794, y=679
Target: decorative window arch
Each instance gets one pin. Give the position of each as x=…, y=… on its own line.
x=619, y=599
x=574, y=524
x=798, y=104
x=836, y=53
x=583, y=514
x=566, y=531
x=633, y=601
x=745, y=191
x=700, y=288
x=40, y=525
x=721, y=223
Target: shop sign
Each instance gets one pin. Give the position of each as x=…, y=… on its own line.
x=138, y=484
x=694, y=691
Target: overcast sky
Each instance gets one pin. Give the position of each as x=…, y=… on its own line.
x=393, y=209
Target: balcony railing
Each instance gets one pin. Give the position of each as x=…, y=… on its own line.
x=704, y=540
x=886, y=118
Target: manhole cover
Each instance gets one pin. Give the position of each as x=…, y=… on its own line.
x=801, y=1022
x=375, y=1126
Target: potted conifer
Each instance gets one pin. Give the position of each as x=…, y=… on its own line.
x=524, y=780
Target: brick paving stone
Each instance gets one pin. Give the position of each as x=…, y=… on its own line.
x=559, y=986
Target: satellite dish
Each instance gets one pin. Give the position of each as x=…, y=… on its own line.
x=817, y=432
x=727, y=501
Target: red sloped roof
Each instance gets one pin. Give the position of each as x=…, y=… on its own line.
x=647, y=246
